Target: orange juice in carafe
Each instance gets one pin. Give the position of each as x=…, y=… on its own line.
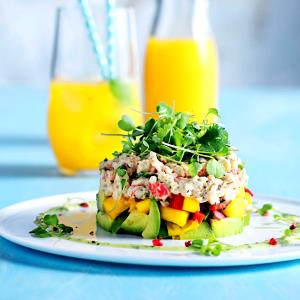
x=181, y=64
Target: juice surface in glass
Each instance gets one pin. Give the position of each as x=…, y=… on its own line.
x=78, y=113
x=183, y=72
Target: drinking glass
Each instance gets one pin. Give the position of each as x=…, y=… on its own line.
x=82, y=104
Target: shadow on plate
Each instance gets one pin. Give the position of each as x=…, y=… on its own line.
x=15, y=254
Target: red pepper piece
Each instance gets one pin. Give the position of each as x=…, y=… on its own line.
x=216, y=207
x=249, y=192
x=198, y=216
x=273, y=242
x=176, y=201
x=202, y=172
x=84, y=204
x=159, y=189
x=157, y=243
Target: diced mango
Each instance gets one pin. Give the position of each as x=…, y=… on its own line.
x=143, y=206
x=191, y=204
x=132, y=204
x=241, y=193
x=236, y=208
x=190, y=225
x=176, y=216
x=248, y=198
x=173, y=229
x=115, y=207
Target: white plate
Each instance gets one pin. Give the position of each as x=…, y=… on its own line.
x=17, y=220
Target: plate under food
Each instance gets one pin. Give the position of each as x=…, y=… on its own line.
x=89, y=242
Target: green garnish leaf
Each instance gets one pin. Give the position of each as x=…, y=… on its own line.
x=164, y=110
x=194, y=168
x=215, y=168
x=183, y=119
x=51, y=220
x=49, y=226
x=40, y=232
x=197, y=243
x=126, y=123
x=213, y=111
x=213, y=247
x=216, y=251
x=123, y=183
x=266, y=207
x=121, y=171
x=241, y=166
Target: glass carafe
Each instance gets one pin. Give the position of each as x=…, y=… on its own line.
x=181, y=64
x=83, y=105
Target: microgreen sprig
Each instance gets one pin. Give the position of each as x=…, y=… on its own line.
x=177, y=137
x=49, y=226
x=211, y=248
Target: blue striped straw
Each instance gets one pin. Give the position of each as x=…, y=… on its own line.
x=111, y=37
x=94, y=38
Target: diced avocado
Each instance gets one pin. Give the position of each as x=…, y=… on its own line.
x=104, y=221
x=246, y=219
x=227, y=227
x=203, y=231
x=153, y=225
x=100, y=199
x=135, y=223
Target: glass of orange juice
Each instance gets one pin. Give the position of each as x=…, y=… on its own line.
x=82, y=105
x=181, y=63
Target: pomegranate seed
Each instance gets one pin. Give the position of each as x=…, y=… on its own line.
x=157, y=243
x=188, y=243
x=293, y=226
x=273, y=242
x=84, y=204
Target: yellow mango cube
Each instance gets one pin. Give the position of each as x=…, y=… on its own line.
x=191, y=204
x=241, y=193
x=114, y=207
x=173, y=229
x=190, y=225
x=143, y=206
x=236, y=208
x=248, y=198
x=132, y=204
x=176, y=216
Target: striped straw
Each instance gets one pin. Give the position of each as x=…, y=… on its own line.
x=94, y=38
x=111, y=37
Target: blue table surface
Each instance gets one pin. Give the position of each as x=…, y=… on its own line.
x=263, y=122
